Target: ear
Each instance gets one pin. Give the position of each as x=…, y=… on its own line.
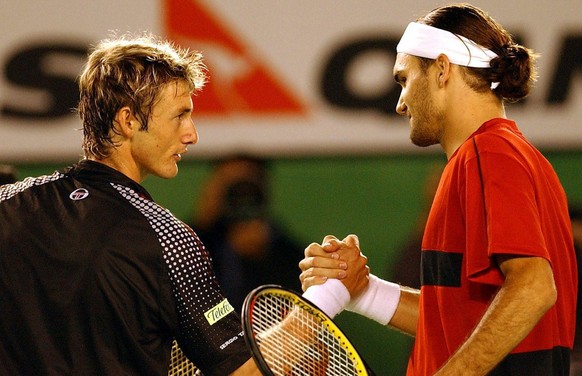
x=125, y=122
x=443, y=69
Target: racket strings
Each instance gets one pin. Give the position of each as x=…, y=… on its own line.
x=295, y=342
x=180, y=365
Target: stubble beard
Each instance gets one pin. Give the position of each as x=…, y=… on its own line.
x=426, y=124
x=425, y=135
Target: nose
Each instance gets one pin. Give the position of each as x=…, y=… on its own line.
x=401, y=108
x=191, y=135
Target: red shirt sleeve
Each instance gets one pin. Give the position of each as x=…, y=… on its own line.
x=507, y=207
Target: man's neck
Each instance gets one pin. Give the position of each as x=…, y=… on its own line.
x=120, y=164
x=466, y=116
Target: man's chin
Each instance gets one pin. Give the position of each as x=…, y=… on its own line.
x=423, y=142
x=169, y=173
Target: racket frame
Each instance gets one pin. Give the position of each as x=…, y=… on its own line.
x=305, y=305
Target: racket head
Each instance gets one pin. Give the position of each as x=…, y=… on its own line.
x=267, y=307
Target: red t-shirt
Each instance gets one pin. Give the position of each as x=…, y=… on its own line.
x=497, y=195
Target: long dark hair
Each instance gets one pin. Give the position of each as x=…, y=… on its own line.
x=514, y=68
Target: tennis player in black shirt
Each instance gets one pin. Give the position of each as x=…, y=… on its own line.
x=95, y=277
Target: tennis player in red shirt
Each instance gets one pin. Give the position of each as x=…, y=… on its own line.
x=498, y=271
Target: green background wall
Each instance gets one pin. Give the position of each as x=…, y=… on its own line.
x=378, y=198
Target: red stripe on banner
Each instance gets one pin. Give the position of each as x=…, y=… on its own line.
x=239, y=83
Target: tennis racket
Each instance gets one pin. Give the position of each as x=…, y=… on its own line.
x=290, y=336
x=180, y=365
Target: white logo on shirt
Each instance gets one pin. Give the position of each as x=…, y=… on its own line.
x=79, y=194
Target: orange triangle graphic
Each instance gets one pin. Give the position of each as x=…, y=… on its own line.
x=238, y=83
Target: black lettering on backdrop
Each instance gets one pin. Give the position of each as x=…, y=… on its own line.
x=569, y=63
x=336, y=89
x=27, y=69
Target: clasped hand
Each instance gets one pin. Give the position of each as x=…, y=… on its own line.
x=334, y=258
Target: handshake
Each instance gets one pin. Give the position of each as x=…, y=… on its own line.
x=335, y=276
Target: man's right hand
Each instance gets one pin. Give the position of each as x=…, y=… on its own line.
x=337, y=259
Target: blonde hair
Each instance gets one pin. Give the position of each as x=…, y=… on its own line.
x=130, y=71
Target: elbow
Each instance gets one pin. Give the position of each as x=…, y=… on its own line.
x=548, y=294
x=553, y=295
x=534, y=277
x=542, y=280
x=543, y=292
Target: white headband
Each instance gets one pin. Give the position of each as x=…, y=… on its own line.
x=426, y=41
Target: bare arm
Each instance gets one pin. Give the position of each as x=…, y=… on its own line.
x=247, y=369
x=406, y=316
x=527, y=293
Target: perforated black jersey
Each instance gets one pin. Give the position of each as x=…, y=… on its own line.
x=97, y=279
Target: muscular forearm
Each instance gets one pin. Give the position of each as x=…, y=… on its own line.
x=406, y=316
x=527, y=293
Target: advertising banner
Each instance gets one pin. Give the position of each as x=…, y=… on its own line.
x=287, y=78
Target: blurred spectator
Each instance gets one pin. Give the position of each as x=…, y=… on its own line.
x=249, y=248
x=406, y=269
x=8, y=174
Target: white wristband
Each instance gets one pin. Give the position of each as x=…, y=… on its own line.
x=331, y=297
x=378, y=301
